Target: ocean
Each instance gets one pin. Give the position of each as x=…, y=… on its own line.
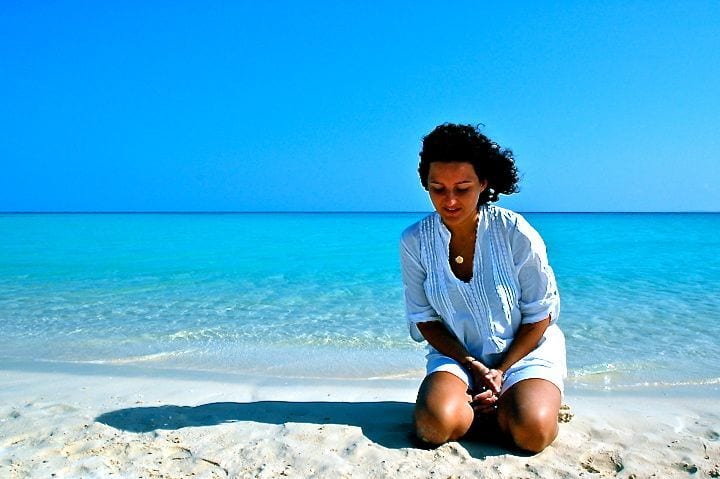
x=320, y=295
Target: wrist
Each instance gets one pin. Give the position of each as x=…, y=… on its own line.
x=468, y=361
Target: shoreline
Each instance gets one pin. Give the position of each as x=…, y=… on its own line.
x=701, y=387
x=79, y=425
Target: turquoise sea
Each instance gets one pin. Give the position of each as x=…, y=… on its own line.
x=320, y=295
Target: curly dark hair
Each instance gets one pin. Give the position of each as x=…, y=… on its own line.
x=451, y=142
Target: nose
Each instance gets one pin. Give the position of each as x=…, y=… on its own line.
x=451, y=199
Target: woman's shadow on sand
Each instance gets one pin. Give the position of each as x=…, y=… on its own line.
x=387, y=423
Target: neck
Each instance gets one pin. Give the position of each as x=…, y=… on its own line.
x=464, y=229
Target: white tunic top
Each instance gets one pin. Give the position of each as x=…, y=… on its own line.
x=512, y=284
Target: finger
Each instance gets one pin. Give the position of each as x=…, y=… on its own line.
x=484, y=402
x=493, y=382
x=495, y=388
x=488, y=394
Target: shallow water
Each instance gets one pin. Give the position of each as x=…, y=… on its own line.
x=320, y=295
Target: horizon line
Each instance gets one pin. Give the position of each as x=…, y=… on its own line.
x=254, y=212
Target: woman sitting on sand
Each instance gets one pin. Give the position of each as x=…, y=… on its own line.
x=480, y=291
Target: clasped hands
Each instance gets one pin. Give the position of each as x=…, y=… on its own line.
x=487, y=385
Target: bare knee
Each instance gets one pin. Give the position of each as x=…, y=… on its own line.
x=443, y=412
x=430, y=428
x=535, y=432
x=443, y=422
x=528, y=414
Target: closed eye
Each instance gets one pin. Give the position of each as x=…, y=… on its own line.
x=442, y=189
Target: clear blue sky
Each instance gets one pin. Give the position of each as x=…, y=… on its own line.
x=321, y=106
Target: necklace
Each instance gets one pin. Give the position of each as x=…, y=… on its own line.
x=467, y=245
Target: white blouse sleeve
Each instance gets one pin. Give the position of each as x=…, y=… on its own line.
x=417, y=306
x=539, y=296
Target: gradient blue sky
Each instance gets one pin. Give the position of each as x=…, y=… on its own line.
x=321, y=106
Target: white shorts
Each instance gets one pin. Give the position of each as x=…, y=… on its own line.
x=547, y=361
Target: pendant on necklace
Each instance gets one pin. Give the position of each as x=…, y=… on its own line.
x=459, y=259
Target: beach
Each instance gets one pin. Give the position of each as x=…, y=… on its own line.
x=275, y=345
x=92, y=424
x=215, y=258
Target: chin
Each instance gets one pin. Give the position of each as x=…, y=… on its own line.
x=453, y=220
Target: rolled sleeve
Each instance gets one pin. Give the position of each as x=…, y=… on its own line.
x=539, y=296
x=417, y=306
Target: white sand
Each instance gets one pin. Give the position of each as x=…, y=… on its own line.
x=78, y=426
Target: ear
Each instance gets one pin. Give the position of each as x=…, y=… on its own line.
x=483, y=185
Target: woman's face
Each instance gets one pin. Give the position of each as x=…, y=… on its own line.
x=454, y=191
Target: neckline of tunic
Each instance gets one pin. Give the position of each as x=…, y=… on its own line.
x=446, y=235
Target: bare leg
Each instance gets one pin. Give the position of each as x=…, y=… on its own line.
x=528, y=412
x=442, y=412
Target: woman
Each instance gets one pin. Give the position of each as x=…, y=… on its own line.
x=480, y=291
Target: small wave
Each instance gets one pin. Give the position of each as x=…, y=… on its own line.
x=667, y=384
x=190, y=335
x=143, y=358
x=607, y=369
x=610, y=382
x=406, y=375
x=594, y=371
